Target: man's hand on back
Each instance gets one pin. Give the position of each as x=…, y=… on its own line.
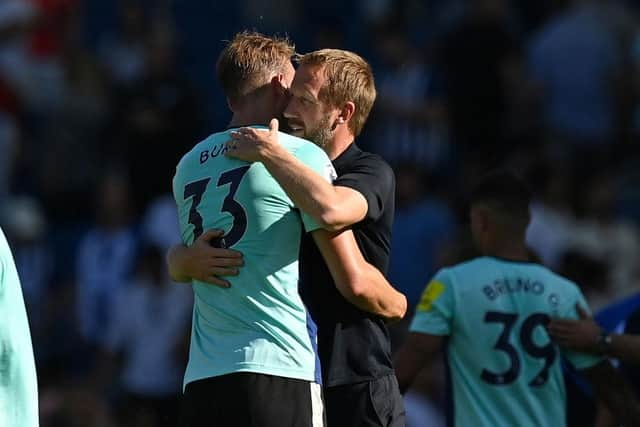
x=204, y=262
x=580, y=335
x=253, y=145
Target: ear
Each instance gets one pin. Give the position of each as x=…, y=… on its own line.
x=276, y=84
x=346, y=112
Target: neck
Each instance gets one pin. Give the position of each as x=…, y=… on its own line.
x=340, y=142
x=251, y=113
x=239, y=120
x=510, y=251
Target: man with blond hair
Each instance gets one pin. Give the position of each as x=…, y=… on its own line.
x=332, y=94
x=252, y=360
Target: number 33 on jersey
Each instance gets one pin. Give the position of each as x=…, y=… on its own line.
x=259, y=324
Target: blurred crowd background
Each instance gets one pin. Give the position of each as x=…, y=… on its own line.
x=99, y=99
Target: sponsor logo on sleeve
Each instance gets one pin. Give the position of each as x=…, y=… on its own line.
x=430, y=295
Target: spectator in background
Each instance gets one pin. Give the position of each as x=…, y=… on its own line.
x=157, y=121
x=9, y=145
x=66, y=172
x=105, y=257
x=160, y=223
x=602, y=234
x=409, y=123
x=32, y=61
x=575, y=59
x=480, y=60
x=552, y=217
x=590, y=273
x=422, y=226
x=124, y=51
x=16, y=17
x=272, y=16
x=149, y=333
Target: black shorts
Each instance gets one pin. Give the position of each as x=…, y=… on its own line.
x=367, y=404
x=252, y=400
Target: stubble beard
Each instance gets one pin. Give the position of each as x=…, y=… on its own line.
x=322, y=134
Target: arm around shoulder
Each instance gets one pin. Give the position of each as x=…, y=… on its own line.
x=305, y=178
x=305, y=175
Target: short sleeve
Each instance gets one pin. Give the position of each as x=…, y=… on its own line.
x=374, y=179
x=434, y=312
x=315, y=158
x=579, y=360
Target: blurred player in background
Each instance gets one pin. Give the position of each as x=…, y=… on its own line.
x=491, y=315
x=252, y=359
x=18, y=381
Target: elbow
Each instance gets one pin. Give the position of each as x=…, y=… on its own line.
x=330, y=219
x=358, y=289
x=401, y=308
x=397, y=309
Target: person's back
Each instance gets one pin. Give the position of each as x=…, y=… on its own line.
x=18, y=382
x=575, y=58
x=259, y=324
x=505, y=370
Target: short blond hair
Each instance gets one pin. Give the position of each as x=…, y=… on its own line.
x=249, y=60
x=349, y=78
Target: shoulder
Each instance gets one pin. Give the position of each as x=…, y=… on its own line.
x=558, y=280
x=365, y=159
x=367, y=170
x=467, y=267
x=445, y=275
x=466, y=273
x=201, y=146
x=299, y=146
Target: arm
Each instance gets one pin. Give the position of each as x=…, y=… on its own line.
x=203, y=262
x=333, y=207
x=614, y=392
x=415, y=353
x=359, y=282
x=585, y=335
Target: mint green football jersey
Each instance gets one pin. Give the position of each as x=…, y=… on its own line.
x=260, y=324
x=504, y=369
x=18, y=382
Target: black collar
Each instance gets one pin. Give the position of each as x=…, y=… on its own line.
x=347, y=156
